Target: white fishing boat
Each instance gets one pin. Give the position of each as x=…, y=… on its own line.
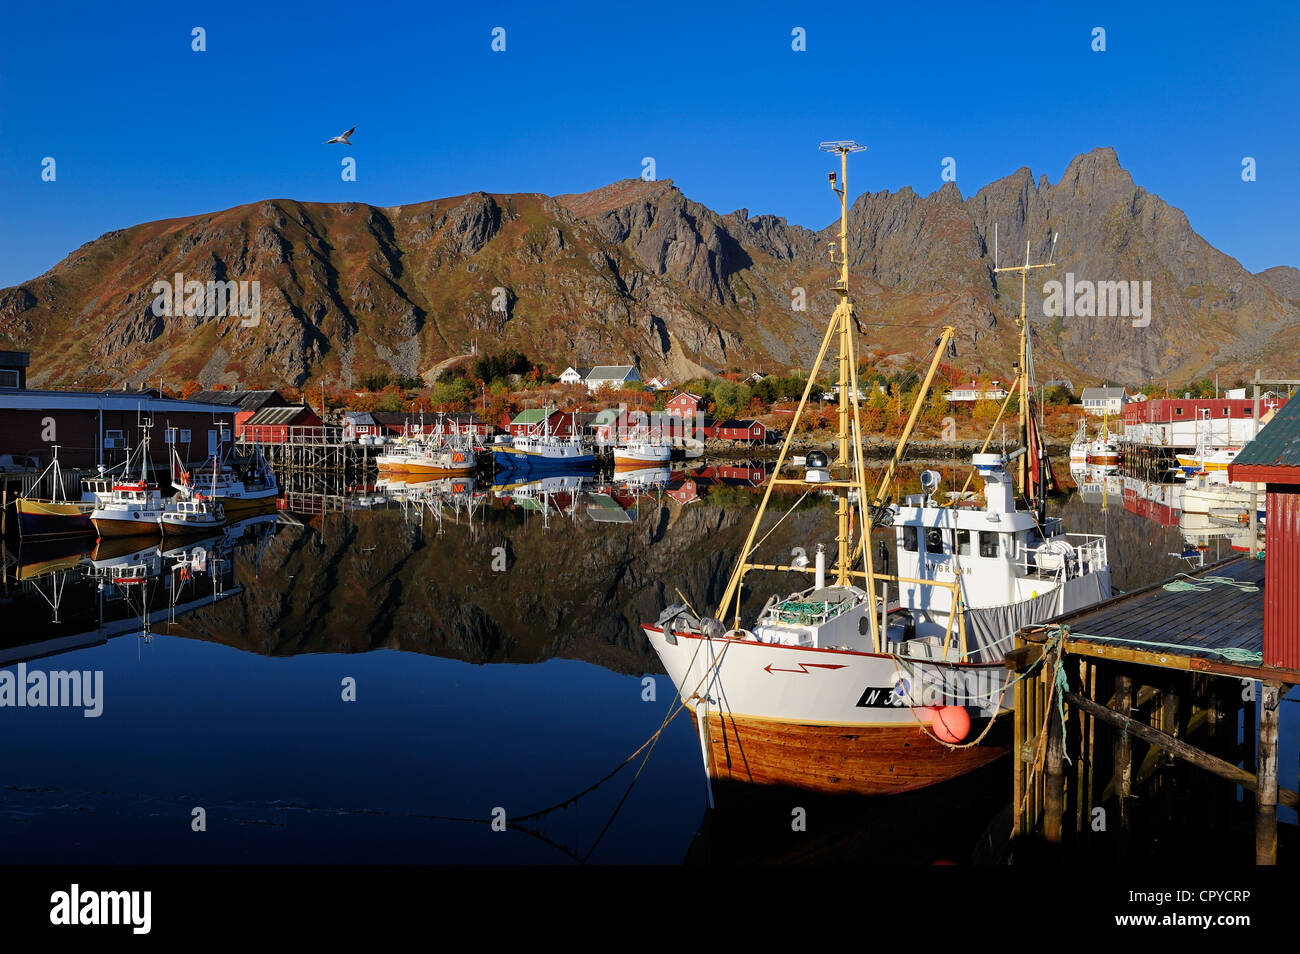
x=641, y=452
x=1079, y=449
x=1103, y=451
x=194, y=509
x=1211, y=461
x=440, y=454
x=133, y=507
x=241, y=488
x=837, y=687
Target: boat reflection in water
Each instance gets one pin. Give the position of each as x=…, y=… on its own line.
x=475, y=681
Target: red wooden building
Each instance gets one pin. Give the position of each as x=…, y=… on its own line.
x=277, y=425
x=754, y=432
x=242, y=404
x=1273, y=459
x=414, y=424
x=684, y=404
x=98, y=427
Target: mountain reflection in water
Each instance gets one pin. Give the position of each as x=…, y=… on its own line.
x=492, y=637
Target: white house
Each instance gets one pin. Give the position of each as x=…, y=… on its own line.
x=659, y=384
x=974, y=392
x=1103, y=400
x=611, y=375
x=573, y=375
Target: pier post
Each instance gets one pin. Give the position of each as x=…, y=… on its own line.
x=1249, y=726
x=1123, y=749
x=1055, y=793
x=1266, y=796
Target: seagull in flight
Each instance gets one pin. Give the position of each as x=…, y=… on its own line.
x=345, y=139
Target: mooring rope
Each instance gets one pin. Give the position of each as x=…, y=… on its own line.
x=1203, y=584
x=1247, y=657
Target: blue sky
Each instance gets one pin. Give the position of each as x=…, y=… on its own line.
x=142, y=128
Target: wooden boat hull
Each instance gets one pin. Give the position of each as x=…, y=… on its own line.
x=53, y=518
x=885, y=759
x=434, y=470
x=126, y=527
x=625, y=459
x=173, y=529
x=238, y=507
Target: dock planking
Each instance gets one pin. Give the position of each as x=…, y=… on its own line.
x=1190, y=623
x=1161, y=649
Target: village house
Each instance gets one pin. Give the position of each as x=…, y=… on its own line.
x=658, y=384
x=574, y=375
x=684, y=404
x=748, y=431
x=1101, y=401
x=360, y=425
x=611, y=376
x=13, y=369
x=976, y=392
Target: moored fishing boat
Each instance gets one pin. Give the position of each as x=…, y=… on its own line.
x=448, y=457
x=1213, y=461
x=641, y=453
x=1079, y=449
x=1103, y=452
x=56, y=515
x=133, y=507
x=241, y=488
x=834, y=688
x=543, y=450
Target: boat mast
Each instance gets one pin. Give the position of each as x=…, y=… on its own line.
x=849, y=474
x=1022, y=364
x=848, y=361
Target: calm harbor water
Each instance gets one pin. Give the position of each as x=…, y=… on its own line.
x=378, y=684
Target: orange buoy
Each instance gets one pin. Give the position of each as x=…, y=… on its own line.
x=950, y=723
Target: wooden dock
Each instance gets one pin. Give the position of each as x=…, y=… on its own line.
x=1120, y=690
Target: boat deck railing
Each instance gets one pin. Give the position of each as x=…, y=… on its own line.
x=1088, y=555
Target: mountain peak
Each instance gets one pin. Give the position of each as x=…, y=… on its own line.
x=613, y=196
x=1095, y=165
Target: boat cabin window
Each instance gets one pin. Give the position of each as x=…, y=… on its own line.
x=963, y=542
x=934, y=540
x=909, y=539
x=988, y=544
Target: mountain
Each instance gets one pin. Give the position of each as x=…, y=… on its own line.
x=636, y=271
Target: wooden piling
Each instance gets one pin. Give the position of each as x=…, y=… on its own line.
x=1181, y=749
x=1055, y=758
x=1266, y=794
x=1123, y=748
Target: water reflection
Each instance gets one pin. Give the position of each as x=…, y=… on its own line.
x=491, y=633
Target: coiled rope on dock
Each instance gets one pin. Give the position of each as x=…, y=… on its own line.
x=1203, y=584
